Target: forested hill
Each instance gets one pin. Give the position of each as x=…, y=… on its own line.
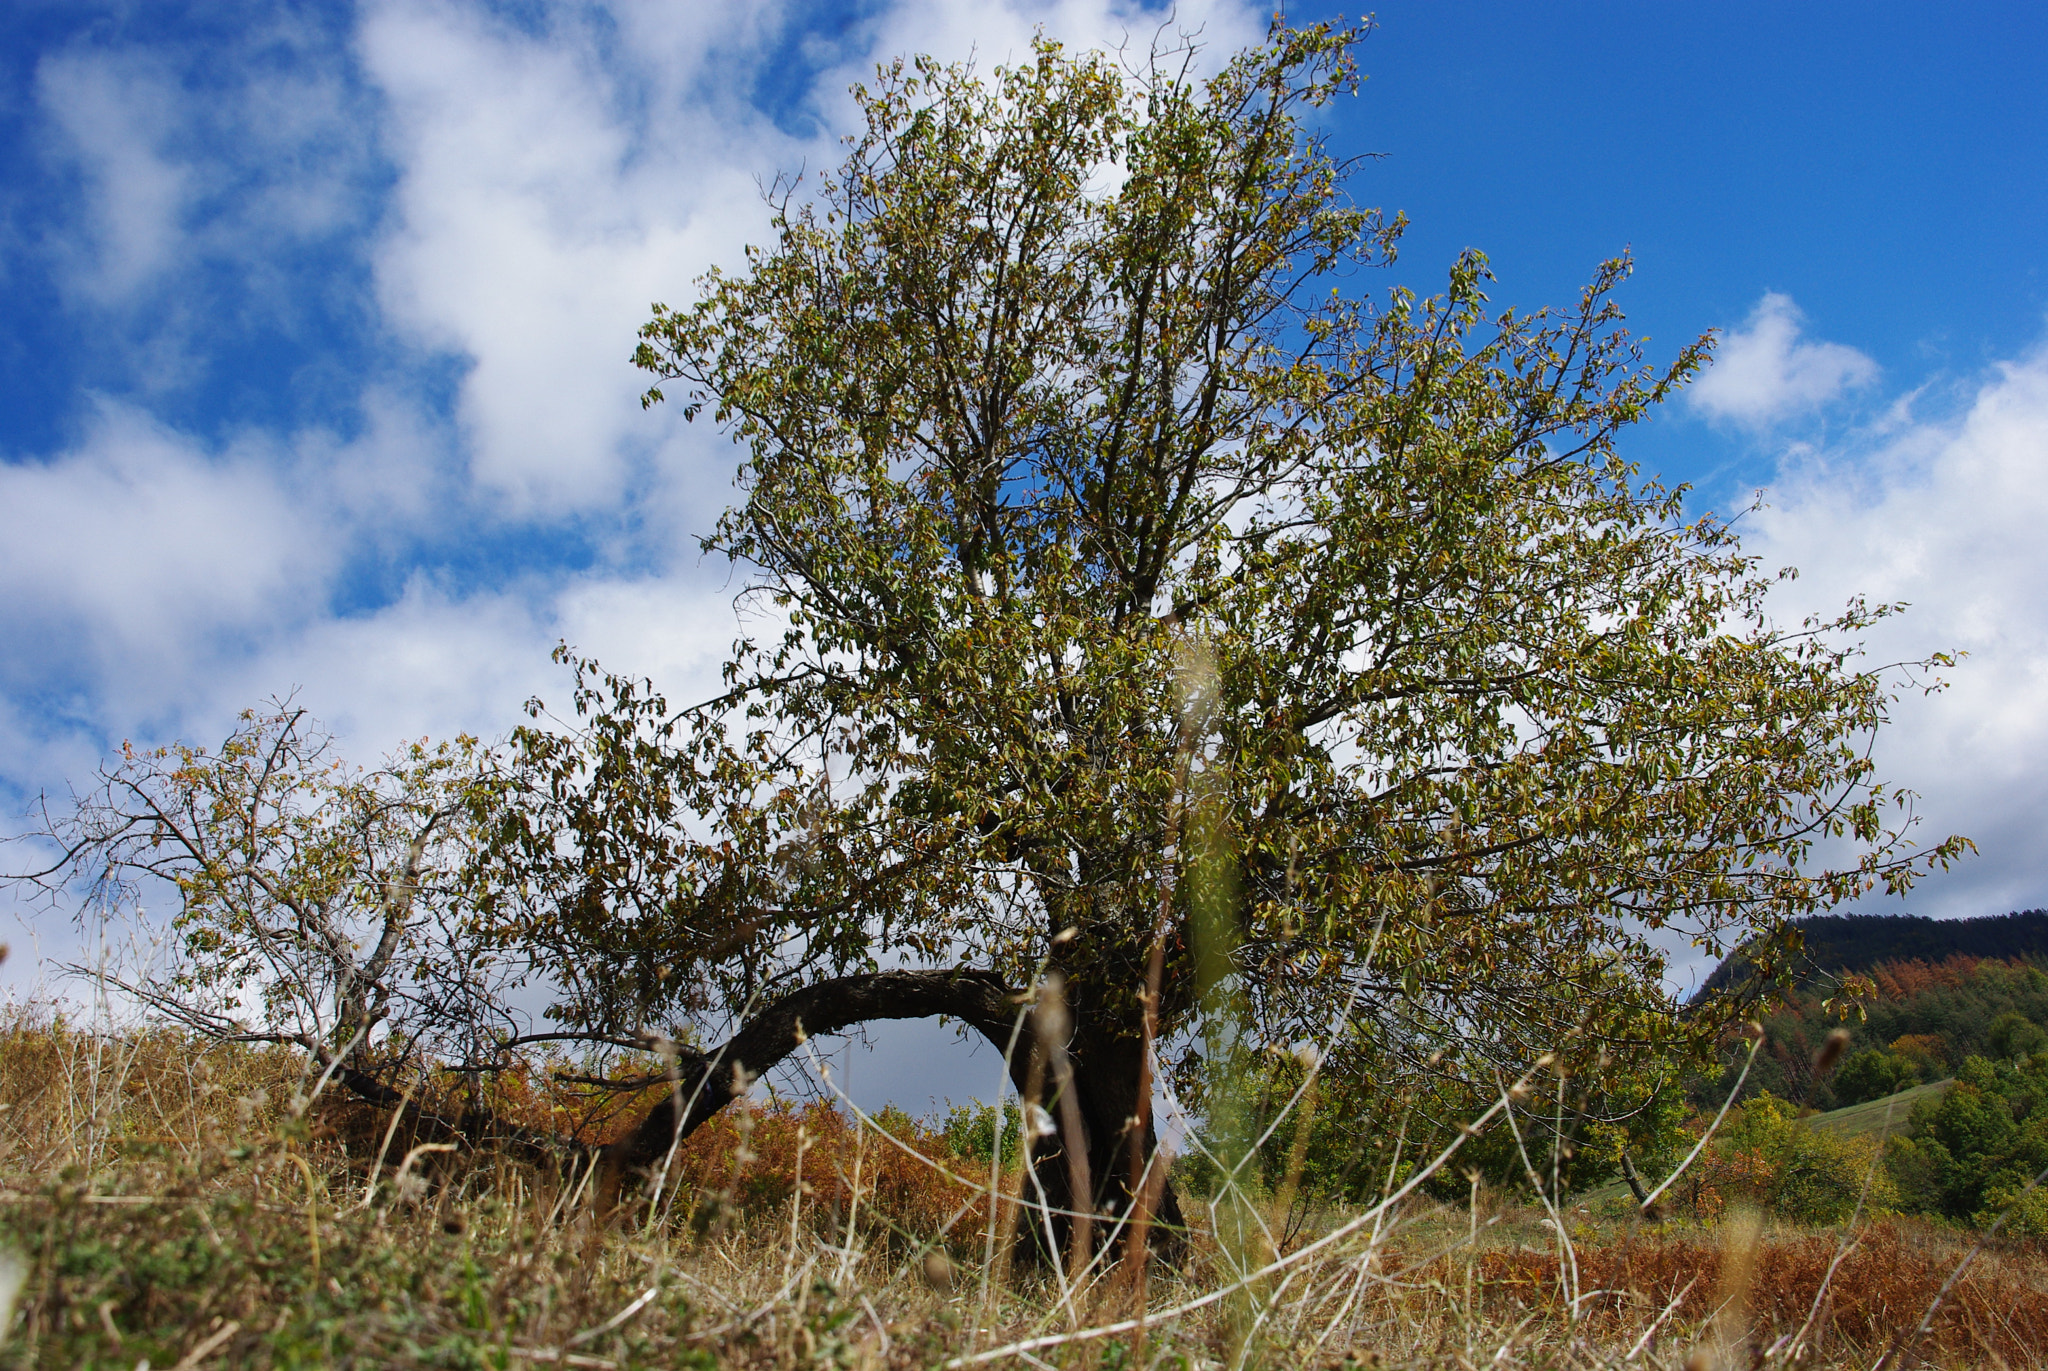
x=1859, y=942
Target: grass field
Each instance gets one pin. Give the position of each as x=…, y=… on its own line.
x=1878, y=1118
x=159, y=1206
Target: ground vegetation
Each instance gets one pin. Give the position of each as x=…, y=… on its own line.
x=180, y=1202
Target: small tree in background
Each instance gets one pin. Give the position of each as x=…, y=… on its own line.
x=318, y=904
x=1872, y=1075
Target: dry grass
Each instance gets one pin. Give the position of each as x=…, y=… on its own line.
x=193, y=1216
x=1998, y=1311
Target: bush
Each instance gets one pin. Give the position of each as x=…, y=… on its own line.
x=1872, y=1075
x=2029, y=1211
x=970, y=1131
x=1800, y=1173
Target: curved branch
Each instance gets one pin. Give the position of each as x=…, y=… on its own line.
x=709, y=1081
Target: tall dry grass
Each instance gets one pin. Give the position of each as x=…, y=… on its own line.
x=191, y=1209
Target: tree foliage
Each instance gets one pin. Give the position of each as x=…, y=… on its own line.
x=1982, y=1146
x=317, y=903
x=1800, y=1173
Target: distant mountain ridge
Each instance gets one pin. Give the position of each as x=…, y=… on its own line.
x=1836, y=943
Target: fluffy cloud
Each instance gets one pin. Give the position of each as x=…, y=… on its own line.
x=1002, y=33
x=110, y=113
x=192, y=179
x=558, y=176
x=434, y=663
x=1948, y=517
x=139, y=546
x=504, y=196
x=552, y=185
x=1764, y=371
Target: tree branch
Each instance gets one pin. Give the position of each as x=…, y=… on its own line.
x=709, y=1081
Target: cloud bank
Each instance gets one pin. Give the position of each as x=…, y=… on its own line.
x=1946, y=516
x=1764, y=371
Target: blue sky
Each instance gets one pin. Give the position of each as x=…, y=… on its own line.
x=1881, y=163
x=312, y=359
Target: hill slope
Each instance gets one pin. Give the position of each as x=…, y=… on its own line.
x=1878, y=1118
x=1861, y=942
x=1915, y=1022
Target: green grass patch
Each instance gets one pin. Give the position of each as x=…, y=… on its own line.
x=1876, y=1118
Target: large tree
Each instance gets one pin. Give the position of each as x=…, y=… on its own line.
x=1138, y=606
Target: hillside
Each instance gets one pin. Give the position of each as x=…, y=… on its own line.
x=1879, y=1118
x=1915, y=1022
x=1837, y=943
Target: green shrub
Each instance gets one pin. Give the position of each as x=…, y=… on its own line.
x=1798, y=1172
x=1975, y=1149
x=2029, y=1211
x=970, y=1130
x=2013, y=1035
x=1872, y=1075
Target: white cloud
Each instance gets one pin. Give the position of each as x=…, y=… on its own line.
x=436, y=663
x=137, y=545
x=546, y=197
x=558, y=178
x=1001, y=33
x=1764, y=371
x=112, y=112
x=549, y=181
x=156, y=583
x=1949, y=517
x=224, y=158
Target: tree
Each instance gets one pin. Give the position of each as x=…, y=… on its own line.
x=317, y=904
x=1981, y=1145
x=1872, y=1075
x=2013, y=1035
x=1141, y=612
x=1801, y=1173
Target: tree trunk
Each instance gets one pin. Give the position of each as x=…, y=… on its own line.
x=1105, y=1076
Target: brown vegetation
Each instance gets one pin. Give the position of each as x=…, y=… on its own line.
x=1888, y=1277
x=181, y=1207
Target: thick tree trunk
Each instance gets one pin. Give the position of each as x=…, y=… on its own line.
x=1106, y=1078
